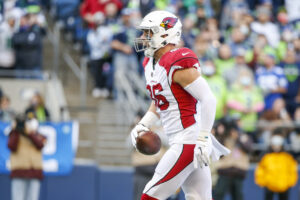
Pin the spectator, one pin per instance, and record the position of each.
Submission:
(232, 13)
(213, 32)
(277, 170)
(285, 43)
(291, 70)
(188, 31)
(245, 24)
(294, 137)
(271, 79)
(292, 8)
(27, 43)
(283, 21)
(232, 75)
(232, 169)
(90, 7)
(6, 113)
(37, 108)
(297, 116)
(260, 47)
(271, 119)
(111, 14)
(202, 48)
(99, 40)
(265, 27)
(296, 44)
(124, 56)
(217, 85)
(145, 7)
(225, 61)
(164, 5)
(8, 5)
(7, 54)
(203, 12)
(244, 102)
(25, 144)
(37, 18)
(237, 41)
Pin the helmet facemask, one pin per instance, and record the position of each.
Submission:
(143, 43)
(146, 43)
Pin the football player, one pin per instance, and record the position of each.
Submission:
(184, 103)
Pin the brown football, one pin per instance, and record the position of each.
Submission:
(148, 143)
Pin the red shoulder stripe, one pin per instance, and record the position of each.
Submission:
(145, 61)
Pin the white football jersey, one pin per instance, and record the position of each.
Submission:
(176, 107)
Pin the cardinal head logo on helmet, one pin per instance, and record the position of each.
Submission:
(168, 22)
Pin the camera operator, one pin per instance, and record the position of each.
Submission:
(26, 146)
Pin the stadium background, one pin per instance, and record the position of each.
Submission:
(102, 105)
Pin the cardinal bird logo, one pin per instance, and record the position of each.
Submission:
(168, 22)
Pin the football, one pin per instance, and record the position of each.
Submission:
(148, 143)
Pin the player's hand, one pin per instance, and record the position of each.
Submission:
(135, 132)
(201, 151)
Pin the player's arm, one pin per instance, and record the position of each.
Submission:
(191, 80)
(152, 108)
(151, 116)
(149, 119)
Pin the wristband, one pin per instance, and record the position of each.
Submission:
(149, 119)
(203, 135)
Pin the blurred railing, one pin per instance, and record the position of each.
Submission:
(79, 70)
(20, 85)
(30, 74)
(131, 93)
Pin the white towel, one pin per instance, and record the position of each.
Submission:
(218, 149)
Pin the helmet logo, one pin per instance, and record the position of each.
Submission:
(168, 22)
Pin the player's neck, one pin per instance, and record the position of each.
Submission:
(160, 52)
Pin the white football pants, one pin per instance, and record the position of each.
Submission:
(176, 170)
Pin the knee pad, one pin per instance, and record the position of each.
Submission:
(147, 197)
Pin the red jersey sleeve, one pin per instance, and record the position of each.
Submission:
(182, 59)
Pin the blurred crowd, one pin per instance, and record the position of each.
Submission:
(35, 109)
(22, 28)
(249, 51)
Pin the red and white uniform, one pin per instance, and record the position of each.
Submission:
(176, 107)
(179, 114)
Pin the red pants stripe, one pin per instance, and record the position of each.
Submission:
(147, 197)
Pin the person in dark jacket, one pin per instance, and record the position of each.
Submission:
(27, 43)
(26, 146)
